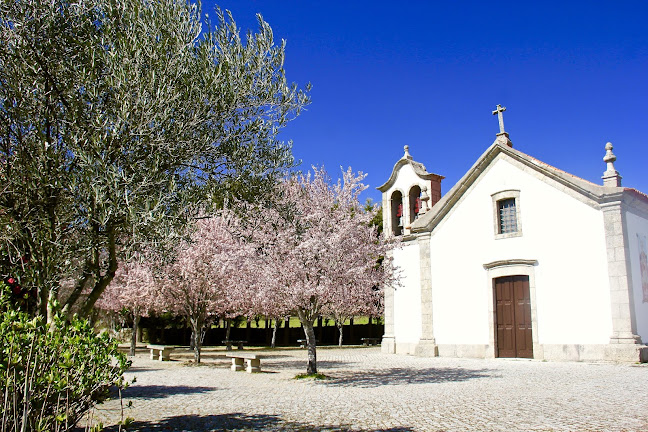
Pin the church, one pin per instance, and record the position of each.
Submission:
(519, 259)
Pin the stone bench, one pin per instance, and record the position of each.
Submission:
(228, 344)
(160, 352)
(370, 341)
(252, 362)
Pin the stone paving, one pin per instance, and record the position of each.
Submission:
(371, 391)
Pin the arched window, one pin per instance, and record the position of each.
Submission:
(414, 203)
(397, 213)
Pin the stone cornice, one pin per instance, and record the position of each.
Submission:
(510, 262)
(408, 238)
(418, 168)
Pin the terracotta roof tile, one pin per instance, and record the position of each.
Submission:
(539, 162)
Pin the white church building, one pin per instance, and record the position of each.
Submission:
(518, 259)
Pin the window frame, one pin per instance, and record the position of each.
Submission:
(496, 199)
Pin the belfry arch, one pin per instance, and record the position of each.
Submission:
(414, 203)
(410, 192)
(397, 213)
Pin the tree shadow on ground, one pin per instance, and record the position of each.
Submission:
(140, 369)
(240, 422)
(397, 376)
(301, 364)
(160, 391)
(271, 355)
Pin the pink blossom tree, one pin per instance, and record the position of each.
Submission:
(133, 290)
(207, 274)
(320, 251)
(351, 302)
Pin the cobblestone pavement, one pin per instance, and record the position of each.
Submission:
(371, 391)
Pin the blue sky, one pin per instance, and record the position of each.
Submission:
(572, 75)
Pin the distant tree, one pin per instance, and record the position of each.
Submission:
(120, 118)
(133, 291)
(208, 276)
(352, 302)
(377, 220)
(320, 250)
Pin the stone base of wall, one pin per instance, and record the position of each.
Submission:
(612, 352)
(474, 351)
(426, 349)
(406, 348)
(631, 353)
(388, 345)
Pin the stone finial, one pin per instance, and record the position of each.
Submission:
(407, 154)
(611, 176)
(502, 136)
(425, 198)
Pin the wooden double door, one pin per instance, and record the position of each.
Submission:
(513, 317)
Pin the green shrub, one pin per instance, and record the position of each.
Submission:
(52, 375)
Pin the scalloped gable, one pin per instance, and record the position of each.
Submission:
(595, 194)
(419, 170)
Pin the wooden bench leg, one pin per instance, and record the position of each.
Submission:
(237, 364)
(228, 347)
(253, 365)
(153, 356)
(165, 355)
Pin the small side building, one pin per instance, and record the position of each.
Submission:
(518, 259)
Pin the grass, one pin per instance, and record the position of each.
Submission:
(294, 322)
(317, 376)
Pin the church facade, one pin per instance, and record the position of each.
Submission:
(518, 259)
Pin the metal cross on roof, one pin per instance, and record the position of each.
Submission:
(500, 109)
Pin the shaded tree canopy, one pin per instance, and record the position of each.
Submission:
(119, 120)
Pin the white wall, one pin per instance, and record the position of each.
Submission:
(407, 297)
(565, 236)
(405, 180)
(637, 234)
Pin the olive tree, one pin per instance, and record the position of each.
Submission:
(119, 121)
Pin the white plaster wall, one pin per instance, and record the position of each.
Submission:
(638, 228)
(565, 236)
(404, 181)
(407, 297)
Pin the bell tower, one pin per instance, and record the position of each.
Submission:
(409, 193)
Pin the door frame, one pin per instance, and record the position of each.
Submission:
(512, 267)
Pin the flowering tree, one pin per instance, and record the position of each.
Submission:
(134, 290)
(320, 250)
(350, 302)
(119, 119)
(207, 275)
